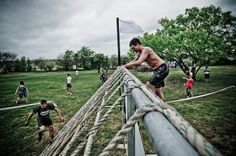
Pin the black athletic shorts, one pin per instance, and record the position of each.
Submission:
(207, 76)
(159, 74)
(44, 122)
(69, 85)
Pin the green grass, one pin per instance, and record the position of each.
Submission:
(213, 116)
(16, 139)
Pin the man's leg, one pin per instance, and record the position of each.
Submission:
(17, 100)
(40, 133)
(26, 99)
(159, 93)
(150, 86)
(51, 131)
(68, 90)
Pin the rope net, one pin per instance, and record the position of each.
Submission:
(76, 137)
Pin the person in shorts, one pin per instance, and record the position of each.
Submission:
(157, 65)
(207, 74)
(44, 120)
(69, 84)
(22, 92)
(188, 85)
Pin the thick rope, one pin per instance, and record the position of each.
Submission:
(194, 137)
(76, 134)
(139, 113)
(21, 106)
(199, 96)
(203, 147)
(95, 128)
(67, 131)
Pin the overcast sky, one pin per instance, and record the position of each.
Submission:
(47, 28)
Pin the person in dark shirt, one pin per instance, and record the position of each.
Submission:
(44, 118)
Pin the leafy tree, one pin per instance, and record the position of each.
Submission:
(124, 59)
(49, 65)
(23, 63)
(6, 61)
(131, 55)
(198, 36)
(29, 64)
(99, 61)
(39, 63)
(17, 65)
(86, 57)
(114, 61)
(77, 60)
(66, 60)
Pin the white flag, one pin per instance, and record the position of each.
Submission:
(129, 27)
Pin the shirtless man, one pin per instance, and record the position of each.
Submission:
(159, 67)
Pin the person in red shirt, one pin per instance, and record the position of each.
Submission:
(188, 85)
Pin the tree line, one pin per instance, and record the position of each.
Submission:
(85, 58)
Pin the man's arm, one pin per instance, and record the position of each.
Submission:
(59, 114)
(139, 61)
(17, 89)
(27, 91)
(29, 117)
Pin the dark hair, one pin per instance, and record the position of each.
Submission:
(68, 74)
(22, 82)
(43, 101)
(134, 42)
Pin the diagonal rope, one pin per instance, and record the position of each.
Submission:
(66, 132)
(185, 129)
(95, 128)
(139, 113)
(76, 134)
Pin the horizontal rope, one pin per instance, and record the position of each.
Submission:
(199, 96)
(21, 106)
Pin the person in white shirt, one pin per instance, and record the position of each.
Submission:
(207, 74)
(77, 74)
(68, 84)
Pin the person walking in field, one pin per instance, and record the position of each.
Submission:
(103, 76)
(44, 118)
(22, 92)
(188, 85)
(69, 84)
(158, 66)
(77, 74)
(207, 74)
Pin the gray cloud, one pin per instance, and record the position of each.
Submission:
(43, 28)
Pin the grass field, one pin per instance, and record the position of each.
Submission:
(212, 116)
